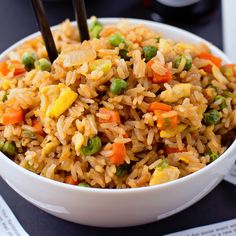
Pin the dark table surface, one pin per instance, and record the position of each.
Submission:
(17, 21)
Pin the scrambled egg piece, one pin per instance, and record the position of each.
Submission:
(101, 65)
(164, 46)
(181, 47)
(184, 159)
(56, 99)
(50, 146)
(167, 174)
(169, 133)
(178, 91)
(5, 84)
(78, 140)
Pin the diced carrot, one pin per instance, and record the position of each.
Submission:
(114, 116)
(4, 69)
(125, 135)
(157, 78)
(38, 127)
(166, 122)
(158, 106)
(13, 116)
(170, 150)
(18, 67)
(119, 153)
(69, 180)
(215, 60)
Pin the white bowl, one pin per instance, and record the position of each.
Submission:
(119, 207)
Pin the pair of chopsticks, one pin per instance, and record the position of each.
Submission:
(81, 18)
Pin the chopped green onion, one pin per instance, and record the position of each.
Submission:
(162, 165)
(229, 94)
(123, 169)
(93, 146)
(1, 143)
(95, 28)
(29, 134)
(83, 184)
(4, 97)
(213, 156)
(96, 31)
(123, 54)
(158, 39)
(222, 104)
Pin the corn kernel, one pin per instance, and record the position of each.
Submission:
(178, 91)
(56, 99)
(78, 140)
(167, 174)
(101, 65)
(169, 133)
(50, 147)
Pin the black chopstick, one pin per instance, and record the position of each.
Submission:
(45, 29)
(81, 18)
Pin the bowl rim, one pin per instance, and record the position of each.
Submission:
(113, 20)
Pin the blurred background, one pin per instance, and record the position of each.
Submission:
(197, 16)
(201, 17)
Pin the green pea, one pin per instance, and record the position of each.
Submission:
(123, 169)
(43, 64)
(29, 134)
(149, 52)
(123, 54)
(188, 63)
(4, 97)
(83, 184)
(28, 59)
(9, 148)
(118, 86)
(211, 117)
(213, 156)
(93, 146)
(222, 104)
(116, 39)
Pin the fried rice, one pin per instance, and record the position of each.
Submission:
(76, 125)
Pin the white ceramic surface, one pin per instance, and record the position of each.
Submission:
(123, 207)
